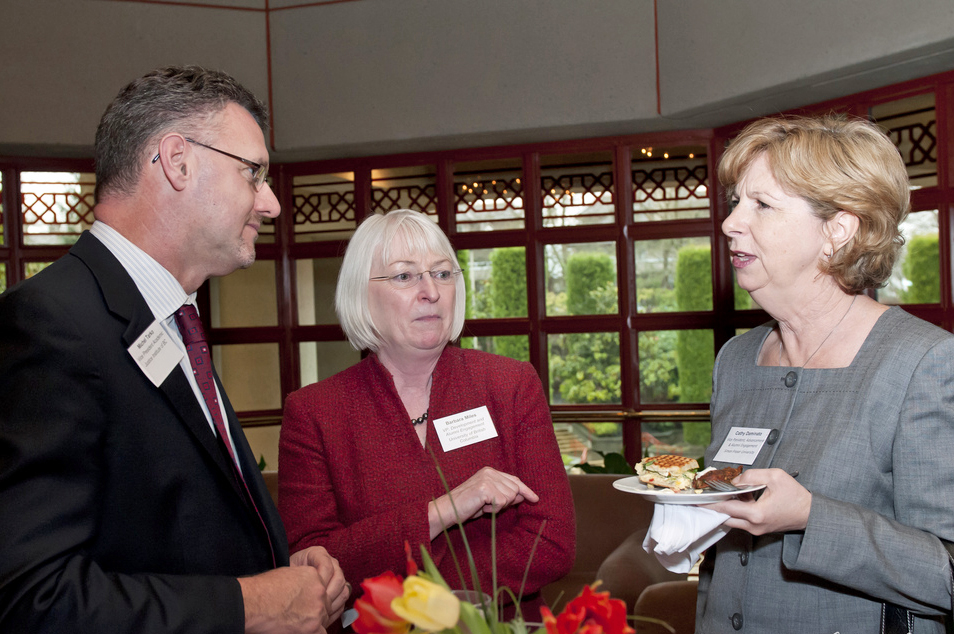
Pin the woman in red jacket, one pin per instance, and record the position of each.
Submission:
(360, 451)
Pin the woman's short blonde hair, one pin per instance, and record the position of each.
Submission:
(375, 238)
(835, 163)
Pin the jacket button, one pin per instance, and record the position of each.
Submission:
(737, 621)
(791, 379)
(744, 557)
(772, 437)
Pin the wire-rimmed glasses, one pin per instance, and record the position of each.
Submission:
(259, 171)
(406, 279)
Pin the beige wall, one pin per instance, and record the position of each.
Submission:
(376, 76)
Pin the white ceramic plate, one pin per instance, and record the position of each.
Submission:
(661, 495)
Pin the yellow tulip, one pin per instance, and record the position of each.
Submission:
(426, 605)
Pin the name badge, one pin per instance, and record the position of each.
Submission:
(465, 428)
(155, 353)
(742, 445)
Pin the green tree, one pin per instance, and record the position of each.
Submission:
(508, 296)
(694, 348)
(584, 272)
(657, 365)
(922, 268)
(584, 367)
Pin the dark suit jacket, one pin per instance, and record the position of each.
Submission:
(119, 511)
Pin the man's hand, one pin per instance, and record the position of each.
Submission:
(285, 601)
(337, 589)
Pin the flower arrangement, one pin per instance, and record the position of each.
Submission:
(423, 602)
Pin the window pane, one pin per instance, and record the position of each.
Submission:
(250, 374)
(584, 368)
(266, 231)
(488, 195)
(323, 206)
(580, 442)
(316, 281)
(56, 206)
(404, 188)
(743, 301)
(573, 447)
(263, 440)
(911, 124)
(916, 277)
(682, 438)
(581, 279)
(513, 346)
(673, 275)
(3, 276)
(675, 366)
(3, 237)
(32, 268)
(577, 189)
(670, 183)
(321, 359)
(496, 282)
(244, 298)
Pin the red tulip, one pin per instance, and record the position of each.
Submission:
(375, 615)
(411, 564)
(589, 613)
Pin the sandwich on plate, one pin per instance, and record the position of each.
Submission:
(669, 471)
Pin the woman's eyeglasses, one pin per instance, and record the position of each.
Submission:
(409, 280)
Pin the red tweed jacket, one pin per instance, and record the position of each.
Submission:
(354, 478)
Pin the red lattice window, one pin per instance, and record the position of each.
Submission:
(56, 206)
(670, 183)
(323, 206)
(3, 236)
(577, 189)
(911, 124)
(404, 188)
(488, 195)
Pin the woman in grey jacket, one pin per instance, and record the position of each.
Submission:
(854, 395)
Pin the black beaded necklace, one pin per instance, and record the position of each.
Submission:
(419, 421)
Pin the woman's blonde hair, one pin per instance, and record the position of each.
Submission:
(375, 238)
(834, 163)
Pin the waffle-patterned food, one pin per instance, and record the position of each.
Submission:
(669, 471)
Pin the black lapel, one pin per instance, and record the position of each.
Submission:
(255, 482)
(124, 300)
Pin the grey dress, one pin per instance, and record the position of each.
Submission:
(874, 443)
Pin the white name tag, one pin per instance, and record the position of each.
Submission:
(742, 445)
(155, 353)
(465, 428)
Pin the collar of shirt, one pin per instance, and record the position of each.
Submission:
(161, 290)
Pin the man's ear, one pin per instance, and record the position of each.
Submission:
(175, 159)
(842, 228)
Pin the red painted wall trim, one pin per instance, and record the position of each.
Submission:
(656, 44)
(268, 73)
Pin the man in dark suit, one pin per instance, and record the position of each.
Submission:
(129, 498)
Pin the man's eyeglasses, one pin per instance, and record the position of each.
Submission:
(409, 280)
(259, 171)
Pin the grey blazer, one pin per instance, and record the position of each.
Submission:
(874, 443)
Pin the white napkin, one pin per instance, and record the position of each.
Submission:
(679, 533)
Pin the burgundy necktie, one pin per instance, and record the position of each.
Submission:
(193, 336)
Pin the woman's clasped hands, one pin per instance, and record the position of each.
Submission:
(783, 505)
(486, 491)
